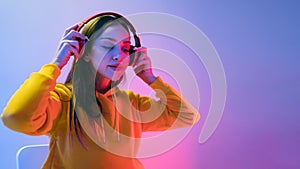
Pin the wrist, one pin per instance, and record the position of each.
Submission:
(147, 76)
(150, 80)
(57, 63)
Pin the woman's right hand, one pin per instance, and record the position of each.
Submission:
(70, 44)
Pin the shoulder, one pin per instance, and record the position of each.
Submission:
(130, 93)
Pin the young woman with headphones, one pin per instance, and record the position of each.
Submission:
(91, 122)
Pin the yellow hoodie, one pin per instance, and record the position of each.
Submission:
(42, 107)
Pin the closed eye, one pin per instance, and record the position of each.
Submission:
(126, 49)
(107, 47)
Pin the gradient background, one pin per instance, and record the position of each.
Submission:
(257, 41)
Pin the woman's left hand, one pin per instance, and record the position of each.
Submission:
(142, 66)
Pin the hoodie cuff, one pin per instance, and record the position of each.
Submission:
(159, 84)
(50, 70)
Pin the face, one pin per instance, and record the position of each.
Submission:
(110, 52)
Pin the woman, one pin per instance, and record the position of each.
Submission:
(92, 123)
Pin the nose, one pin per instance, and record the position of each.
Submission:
(117, 57)
(117, 54)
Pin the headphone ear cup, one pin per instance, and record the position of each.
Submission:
(132, 55)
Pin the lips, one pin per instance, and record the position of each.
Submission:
(115, 67)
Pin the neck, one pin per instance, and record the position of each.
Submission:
(102, 84)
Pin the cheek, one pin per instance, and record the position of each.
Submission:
(98, 56)
(96, 62)
(126, 59)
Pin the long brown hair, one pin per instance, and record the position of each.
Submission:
(82, 76)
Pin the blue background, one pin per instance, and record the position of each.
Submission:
(258, 43)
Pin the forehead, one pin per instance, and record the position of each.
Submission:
(114, 32)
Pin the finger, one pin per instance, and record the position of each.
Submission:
(73, 43)
(141, 52)
(71, 48)
(73, 27)
(145, 64)
(76, 49)
(143, 59)
(73, 51)
(73, 35)
(138, 69)
(140, 49)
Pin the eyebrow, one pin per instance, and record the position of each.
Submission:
(114, 40)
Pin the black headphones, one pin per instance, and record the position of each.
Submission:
(123, 19)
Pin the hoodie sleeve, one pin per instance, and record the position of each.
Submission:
(35, 105)
(170, 111)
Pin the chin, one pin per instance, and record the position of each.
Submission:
(115, 77)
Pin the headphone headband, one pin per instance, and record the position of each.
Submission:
(117, 16)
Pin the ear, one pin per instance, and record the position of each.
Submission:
(86, 50)
(87, 57)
